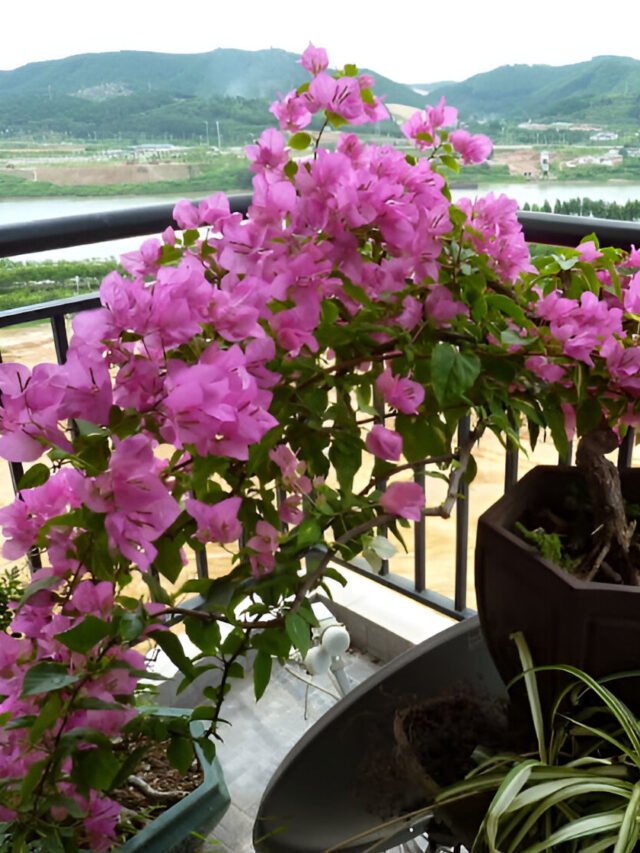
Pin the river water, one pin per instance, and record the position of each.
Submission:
(28, 210)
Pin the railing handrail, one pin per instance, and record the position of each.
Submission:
(561, 230)
(79, 230)
(65, 231)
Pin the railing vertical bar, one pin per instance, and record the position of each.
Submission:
(566, 458)
(511, 468)
(511, 459)
(420, 542)
(60, 339)
(378, 404)
(625, 452)
(462, 527)
(202, 564)
(17, 471)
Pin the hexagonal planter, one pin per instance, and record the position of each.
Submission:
(594, 626)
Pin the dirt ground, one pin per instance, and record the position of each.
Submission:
(521, 161)
(113, 173)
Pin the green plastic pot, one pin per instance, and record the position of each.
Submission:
(183, 827)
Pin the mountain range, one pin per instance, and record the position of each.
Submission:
(143, 94)
(606, 88)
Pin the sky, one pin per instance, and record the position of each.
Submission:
(413, 41)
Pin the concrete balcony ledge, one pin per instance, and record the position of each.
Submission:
(382, 623)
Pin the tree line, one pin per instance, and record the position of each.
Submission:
(628, 210)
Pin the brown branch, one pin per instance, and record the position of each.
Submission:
(312, 579)
(445, 509)
(408, 466)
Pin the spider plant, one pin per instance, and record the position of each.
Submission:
(576, 791)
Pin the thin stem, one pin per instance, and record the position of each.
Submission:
(408, 466)
(464, 455)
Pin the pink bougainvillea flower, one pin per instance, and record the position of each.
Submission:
(440, 307)
(264, 543)
(569, 420)
(186, 214)
(216, 522)
(22, 519)
(269, 153)
(314, 59)
(214, 209)
(146, 260)
(404, 499)
(292, 113)
(588, 252)
(422, 127)
(545, 369)
(384, 443)
(631, 295)
(290, 511)
(101, 820)
(403, 394)
(30, 411)
(473, 148)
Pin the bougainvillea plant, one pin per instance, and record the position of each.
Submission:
(229, 391)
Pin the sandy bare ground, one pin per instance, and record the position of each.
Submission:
(31, 345)
(113, 173)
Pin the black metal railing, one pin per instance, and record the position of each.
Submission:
(65, 232)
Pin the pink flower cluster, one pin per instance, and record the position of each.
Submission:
(347, 97)
(494, 231)
(95, 693)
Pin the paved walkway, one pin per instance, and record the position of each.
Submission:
(262, 734)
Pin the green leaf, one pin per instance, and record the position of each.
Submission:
(452, 373)
(580, 828)
(204, 635)
(506, 305)
(422, 437)
(308, 533)
(47, 716)
(291, 169)
(261, 673)
(95, 768)
(588, 415)
(47, 676)
(628, 834)
(555, 420)
(273, 643)
(336, 121)
(513, 783)
(168, 560)
(450, 162)
(172, 647)
(367, 97)
(37, 475)
(383, 547)
(129, 624)
(235, 670)
(509, 338)
(346, 456)
(85, 635)
(531, 683)
(300, 141)
(298, 632)
(350, 70)
(180, 753)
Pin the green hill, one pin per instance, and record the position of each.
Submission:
(141, 95)
(604, 89)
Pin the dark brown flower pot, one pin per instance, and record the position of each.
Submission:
(594, 626)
